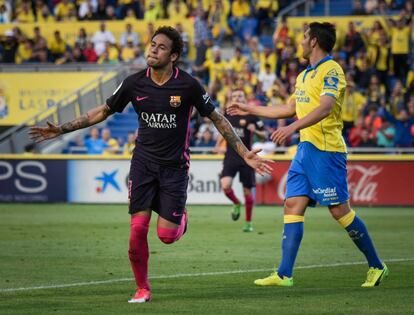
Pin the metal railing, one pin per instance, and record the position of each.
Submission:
(94, 93)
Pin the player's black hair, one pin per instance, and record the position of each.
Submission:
(174, 35)
(324, 33)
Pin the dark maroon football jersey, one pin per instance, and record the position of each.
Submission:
(163, 113)
(240, 124)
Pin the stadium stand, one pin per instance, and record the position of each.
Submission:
(251, 44)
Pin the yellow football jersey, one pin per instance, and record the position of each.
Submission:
(325, 78)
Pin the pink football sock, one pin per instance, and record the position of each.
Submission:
(138, 250)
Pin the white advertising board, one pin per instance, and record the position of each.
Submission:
(106, 182)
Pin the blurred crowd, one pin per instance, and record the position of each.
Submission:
(237, 44)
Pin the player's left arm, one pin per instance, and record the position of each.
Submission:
(327, 103)
(227, 131)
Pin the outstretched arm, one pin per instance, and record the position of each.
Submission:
(92, 117)
(319, 113)
(280, 111)
(250, 157)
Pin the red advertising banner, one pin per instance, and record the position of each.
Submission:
(376, 183)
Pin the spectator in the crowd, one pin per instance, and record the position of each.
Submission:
(63, 10)
(206, 139)
(382, 59)
(357, 8)
(354, 136)
(129, 146)
(367, 139)
(396, 101)
(216, 66)
(265, 11)
(217, 20)
(352, 106)
(177, 10)
(87, 9)
(94, 144)
(238, 61)
(266, 78)
(353, 41)
(77, 55)
(400, 45)
(153, 12)
(386, 135)
(57, 46)
(129, 35)
(81, 39)
(75, 146)
(90, 53)
(186, 41)
(130, 8)
(110, 13)
(5, 13)
(43, 14)
(268, 56)
(100, 12)
(202, 36)
(101, 37)
(371, 6)
(39, 53)
(112, 145)
(373, 121)
(66, 58)
(25, 13)
(207, 125)
(363, 73)
(24, 52)
(146, 38)
(9, 45)
(403, 126)
(128, 51)
(240, 11)
(139, 62)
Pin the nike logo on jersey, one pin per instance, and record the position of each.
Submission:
(175, 214)
(141, 98)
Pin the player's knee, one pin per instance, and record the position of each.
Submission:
(289, 206)
(167, 236)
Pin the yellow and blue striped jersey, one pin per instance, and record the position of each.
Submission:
(325, 78)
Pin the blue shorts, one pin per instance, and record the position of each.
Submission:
(319, 175)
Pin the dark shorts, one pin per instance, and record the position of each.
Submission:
(160, 188)
(246, 173)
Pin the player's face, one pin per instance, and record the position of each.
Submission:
(159, 54)
(238, 96)
(306, 45)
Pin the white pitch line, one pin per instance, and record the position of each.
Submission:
(183, 275)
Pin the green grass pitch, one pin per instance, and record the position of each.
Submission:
(72, 259)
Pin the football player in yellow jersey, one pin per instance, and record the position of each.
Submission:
(318, 172)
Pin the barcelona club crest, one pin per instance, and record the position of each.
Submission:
(175, 101)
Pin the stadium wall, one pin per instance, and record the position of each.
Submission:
(373, 180)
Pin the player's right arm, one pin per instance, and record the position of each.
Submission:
(280, 111)
(92, 117)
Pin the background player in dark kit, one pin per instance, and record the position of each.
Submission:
(246, 127)
(162, 96)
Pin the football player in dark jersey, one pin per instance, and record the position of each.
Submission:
(163, 97)
(246, 128)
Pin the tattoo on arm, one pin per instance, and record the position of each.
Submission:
(78, 123)
(227, 131)
(90, 118)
